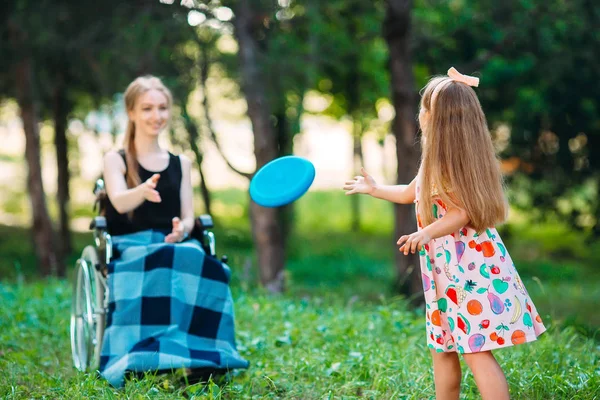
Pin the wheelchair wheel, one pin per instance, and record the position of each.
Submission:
(88, 313)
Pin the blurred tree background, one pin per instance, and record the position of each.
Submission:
(258, 79)
(286, 61)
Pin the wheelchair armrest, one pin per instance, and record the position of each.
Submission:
(201, 232)
(98, 223)
(204, 222)
(201, 225)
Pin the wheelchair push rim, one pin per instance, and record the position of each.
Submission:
(87, 312)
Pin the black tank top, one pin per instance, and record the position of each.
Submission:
(149, 215)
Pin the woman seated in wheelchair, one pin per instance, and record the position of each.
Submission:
(169, 306)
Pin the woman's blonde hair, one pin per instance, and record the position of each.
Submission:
(459, 160)
(135, 89)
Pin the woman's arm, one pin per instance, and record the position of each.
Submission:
(123, 199)
(186, 194)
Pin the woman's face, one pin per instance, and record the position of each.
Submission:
(150, 113)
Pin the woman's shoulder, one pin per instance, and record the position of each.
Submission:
(185, 161)
(114, 159)
(115, 153)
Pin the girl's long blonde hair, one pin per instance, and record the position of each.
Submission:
(459, 160)
(135, 89)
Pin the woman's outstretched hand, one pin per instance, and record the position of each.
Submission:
(178, 232)
(149, 189)
(361, 184)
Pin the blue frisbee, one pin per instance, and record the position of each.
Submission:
(282, 181)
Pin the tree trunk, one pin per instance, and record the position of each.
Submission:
(61, 111)
(266, 226)
(353, 89)
(594, 164)
(397, 32)
(357, 163)
(41, 227)
(284, 147)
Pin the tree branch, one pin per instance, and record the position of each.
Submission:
(204, 66)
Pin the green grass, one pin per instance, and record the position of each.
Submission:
(339, 331)
(300, 348)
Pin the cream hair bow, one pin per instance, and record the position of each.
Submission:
(466, 79)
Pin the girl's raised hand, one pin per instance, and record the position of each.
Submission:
(361, 184)
(149, 189)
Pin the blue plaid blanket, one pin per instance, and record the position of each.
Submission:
(170, 307)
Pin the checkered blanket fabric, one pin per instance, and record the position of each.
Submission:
(170, 307)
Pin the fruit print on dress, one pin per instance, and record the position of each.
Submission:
(475, 299)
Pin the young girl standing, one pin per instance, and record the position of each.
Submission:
(475, 299)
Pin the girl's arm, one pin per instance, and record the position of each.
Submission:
(452, 221)
(402, 194)
(123, 199)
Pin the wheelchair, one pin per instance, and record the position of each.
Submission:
(90, 291)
